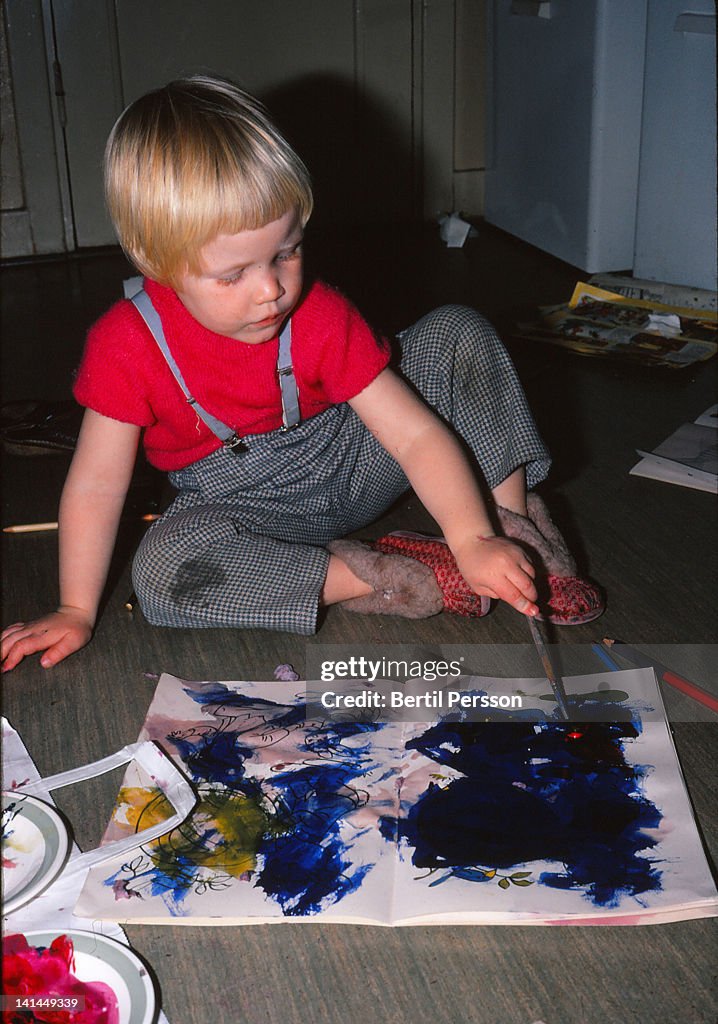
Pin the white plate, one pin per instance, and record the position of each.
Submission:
(98, 958)
(34, 847)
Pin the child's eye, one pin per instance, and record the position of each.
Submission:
(292, 254)
(231, 279)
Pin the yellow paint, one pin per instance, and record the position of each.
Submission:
(140, 808)
(223, 833)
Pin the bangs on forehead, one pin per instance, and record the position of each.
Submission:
(230, 212)
(234, 181)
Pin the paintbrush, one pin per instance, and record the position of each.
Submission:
(552, 675)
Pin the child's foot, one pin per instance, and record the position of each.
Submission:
(412, 576)
(401, 586)
(565, 598)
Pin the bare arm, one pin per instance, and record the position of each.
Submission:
(90, 508)
(443, 480)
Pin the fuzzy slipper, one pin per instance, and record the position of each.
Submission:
(565, 598)
(434, 552)
(402, 586)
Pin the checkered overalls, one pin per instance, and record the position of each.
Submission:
(243, 543)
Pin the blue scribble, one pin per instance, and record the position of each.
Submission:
(308, 867)
(304, 863)
(549, 791)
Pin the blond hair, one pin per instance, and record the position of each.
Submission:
(192, 160)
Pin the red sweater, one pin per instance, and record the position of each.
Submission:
(123, 374)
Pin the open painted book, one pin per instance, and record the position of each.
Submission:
(301, 816)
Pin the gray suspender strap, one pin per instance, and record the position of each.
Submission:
(287, 383)
(151, 317)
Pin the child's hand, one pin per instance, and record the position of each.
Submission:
(498, 568)
(58, 634)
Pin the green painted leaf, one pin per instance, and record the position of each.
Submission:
(521, 874)
(521, 881)
(504, 883)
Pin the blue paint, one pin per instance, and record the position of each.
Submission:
(172, 881)
(279, 715)
(531, 788)
(304, 864)
(556, 792)
(215, 757)
(307, 867)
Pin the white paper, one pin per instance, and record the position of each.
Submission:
(709, 418)
(689, 457)
(454, 230)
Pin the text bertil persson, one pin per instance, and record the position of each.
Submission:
(433, 699)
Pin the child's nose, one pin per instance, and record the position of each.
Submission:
(269, 287)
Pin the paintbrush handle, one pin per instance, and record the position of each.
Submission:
(552, 676)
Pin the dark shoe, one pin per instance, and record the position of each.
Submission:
(40, 428)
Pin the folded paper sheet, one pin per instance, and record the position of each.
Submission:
(524, 819)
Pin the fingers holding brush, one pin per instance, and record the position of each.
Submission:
(498, 568)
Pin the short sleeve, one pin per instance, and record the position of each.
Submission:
(347, 354)
(112, 375)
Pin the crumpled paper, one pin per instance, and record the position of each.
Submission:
(454, 230)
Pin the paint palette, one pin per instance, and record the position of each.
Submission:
(100, 959)
(35, 844)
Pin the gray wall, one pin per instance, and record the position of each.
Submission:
(364, 88)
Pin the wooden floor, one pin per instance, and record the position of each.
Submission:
(651, 546)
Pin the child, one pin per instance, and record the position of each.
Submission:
(275, 459)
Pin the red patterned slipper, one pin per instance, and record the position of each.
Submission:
(564, 598)
(571, 601)
(400, 586)
(434, 552)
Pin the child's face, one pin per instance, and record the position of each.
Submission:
(249, 282)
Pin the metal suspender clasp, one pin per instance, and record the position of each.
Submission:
(291, 416)
(235, 444)
(290, 407)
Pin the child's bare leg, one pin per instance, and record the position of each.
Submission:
(511, 492)
(341, 584)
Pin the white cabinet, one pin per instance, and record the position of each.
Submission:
(676, 217)
(602, 146)
(567, 90)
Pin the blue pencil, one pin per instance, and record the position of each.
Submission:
(605, 657)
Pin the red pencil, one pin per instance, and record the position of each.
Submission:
(641, 660)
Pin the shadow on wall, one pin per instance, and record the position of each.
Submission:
(359, 153)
